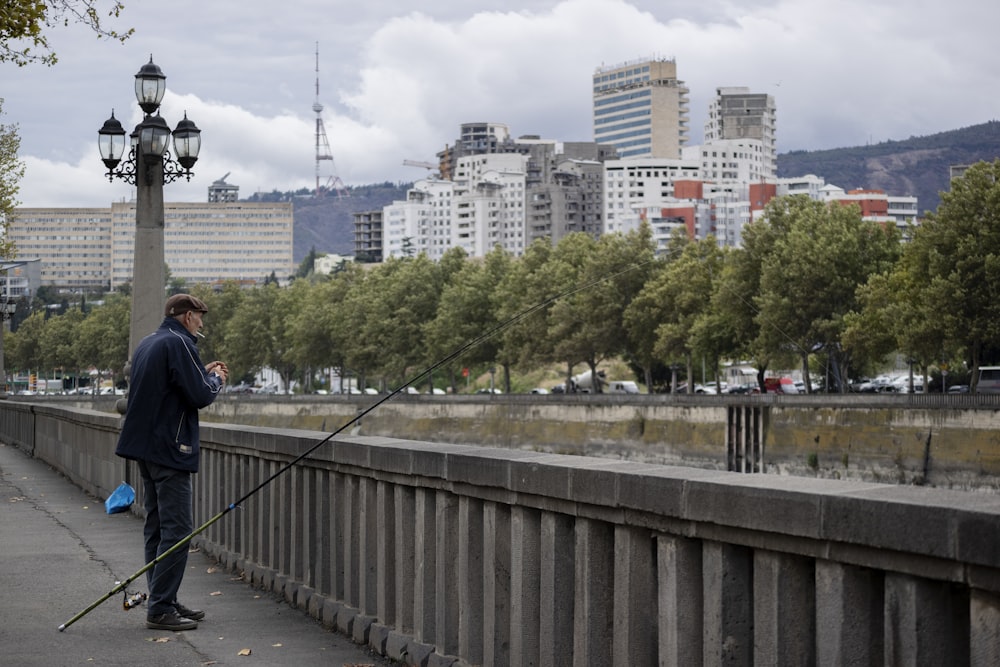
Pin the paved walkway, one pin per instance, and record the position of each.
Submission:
(60, 551)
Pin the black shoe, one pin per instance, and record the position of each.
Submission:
(170, 621)
(191, 614)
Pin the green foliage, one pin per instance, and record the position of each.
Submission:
(24, 23)
(11, 172)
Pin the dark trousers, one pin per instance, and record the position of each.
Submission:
(168, 521)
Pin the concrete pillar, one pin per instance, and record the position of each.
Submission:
(926, 622)
(984, 631)
(338, 535)
(405, 558)
(322, 540)
(635, 597)
(241, 522)
(367, 564)
(525, 526)
(470, 580)
(386, 560)
(424, 564)
(257, 506)
(296, 515)
(593, 603)
(446, 573)
(352, 538)
(496, 584)
(556, 590)
(680, 601)
(148, 296)
(784, 610)
(728, 595)
(270, 526)
(849, 616)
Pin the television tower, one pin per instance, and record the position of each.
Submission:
(323, 152)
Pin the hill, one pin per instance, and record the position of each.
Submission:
(327, 223)
(915, 166)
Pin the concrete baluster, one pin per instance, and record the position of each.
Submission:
(680, 600)
(784, 622)
(635, 597)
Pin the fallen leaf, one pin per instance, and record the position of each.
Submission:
(244, 651)
(211, 570)
(216, 593)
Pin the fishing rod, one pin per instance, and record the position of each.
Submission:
(135, 600)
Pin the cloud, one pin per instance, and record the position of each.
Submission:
(397, 83)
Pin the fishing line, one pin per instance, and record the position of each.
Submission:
(122, 585)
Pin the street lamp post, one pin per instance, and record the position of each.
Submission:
(7, 308)
(148, 166)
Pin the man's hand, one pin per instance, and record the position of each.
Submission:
(220, 369)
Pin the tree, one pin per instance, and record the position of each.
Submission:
(589, 322)
(684, 290)
(523, 300)
(952, 266)
(25, 350)
(809, 280)
(23, 24)
(308, 264)
(102, 338)
(465, 312)
(58, 343)
(11, 172)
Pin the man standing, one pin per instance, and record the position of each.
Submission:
(168, 385)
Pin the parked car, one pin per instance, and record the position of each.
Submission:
(744, 388)
(539, 390)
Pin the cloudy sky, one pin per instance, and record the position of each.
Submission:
(396, 82)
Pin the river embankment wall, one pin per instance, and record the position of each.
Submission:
(942, 441)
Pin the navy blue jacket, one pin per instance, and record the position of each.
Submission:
(168, 385)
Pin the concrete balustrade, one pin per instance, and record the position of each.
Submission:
(440, 555)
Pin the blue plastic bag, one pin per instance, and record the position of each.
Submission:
(120, 499)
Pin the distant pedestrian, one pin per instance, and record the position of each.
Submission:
(168, 384)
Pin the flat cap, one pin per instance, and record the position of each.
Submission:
(179, 304)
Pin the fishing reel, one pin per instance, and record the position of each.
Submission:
(133, 600)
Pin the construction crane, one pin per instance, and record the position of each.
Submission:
(417, 163)
(323, 152)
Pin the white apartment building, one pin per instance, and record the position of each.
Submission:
(490, 203)
(809, 185)
(92, 249)
(635, 184)
(641, 108)
(421, 223)
(730, 160)
(736, 113)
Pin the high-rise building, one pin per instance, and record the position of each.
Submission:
(368, 235)
(736, 113)
(92, 248)
(73, 244)
(641, 108)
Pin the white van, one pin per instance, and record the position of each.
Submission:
(989, 380)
